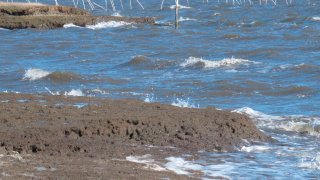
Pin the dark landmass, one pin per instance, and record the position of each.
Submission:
(34, 15)
(53, 132)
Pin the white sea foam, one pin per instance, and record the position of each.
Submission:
(180, 7)
(181, 19)
(35, 74)
(109, 24)
(147, 161)
(255, 148)
(313, 163)
(183, 103)
(149, 98)
(180, 166)
(183, 167)
(316, 18)
(74, 92)
(100, 91)
(310, 126)
(4, 29)
(208, 64)
(293, 123)
(70, 25)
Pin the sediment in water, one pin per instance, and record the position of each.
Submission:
(25, 15)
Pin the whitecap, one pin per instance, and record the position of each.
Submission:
(180, 7)
(254, 148)
(109, 24)
(309, 125)
(316, 18)
(4, 29)
(183, 103)
(35, 74)
(149, 98)
(293, 123)
(313, 163)
(74, 92)
(208, 64)
(181, 19)
(70, 25)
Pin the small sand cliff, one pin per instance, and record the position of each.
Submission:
(55, 126)
(48, 137)
(36, 15)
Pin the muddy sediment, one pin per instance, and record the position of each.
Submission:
(90, 128)
(24, 15)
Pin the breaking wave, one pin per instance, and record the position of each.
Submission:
(194, 62)
(316, 18)
(101, 25)
(294, 123)
(183, 103)
(311, 163)
(71, 25)
(57, 76)
(180, 7)
(181, 19)
(73, 92)
(35, 74)
(109, 24)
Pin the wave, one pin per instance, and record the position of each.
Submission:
(183, 103)
(311, 163)
(292, 123)
(303, 67)
(101, 25)
(194, 62)
(57, 76)
(73, 92)
(180, 7)
(181, 19)
(35, 74)
(315, 18)
(71, 25)
(109, 24)
(146, 63)
(181, 166)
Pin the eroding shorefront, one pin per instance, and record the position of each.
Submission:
(35, 15)
(47, 128)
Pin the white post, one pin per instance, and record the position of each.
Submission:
(177, 14)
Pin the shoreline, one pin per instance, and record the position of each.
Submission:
(41, 16)
(67, 132)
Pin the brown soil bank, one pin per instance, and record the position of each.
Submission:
(52, 124)
(48, 137)
(25, 15)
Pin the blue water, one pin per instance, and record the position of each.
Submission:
(265, 58)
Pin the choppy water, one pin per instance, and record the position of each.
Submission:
(259, 60)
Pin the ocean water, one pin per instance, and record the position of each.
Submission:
(261, 60)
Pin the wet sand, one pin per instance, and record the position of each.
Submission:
(75, 137)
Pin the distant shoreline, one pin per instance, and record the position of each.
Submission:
(35, 15)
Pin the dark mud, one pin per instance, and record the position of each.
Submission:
(51, 127)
